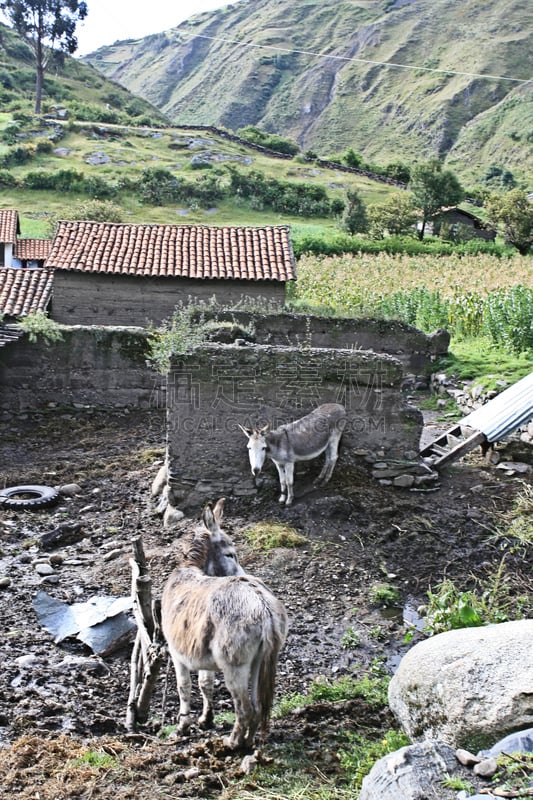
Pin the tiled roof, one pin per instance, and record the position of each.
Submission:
(32, 249)
(185, 251)
(9, 225)
(24, 290)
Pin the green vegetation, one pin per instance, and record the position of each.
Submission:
(371, 688)
(37, 324)
(383, 594)
(344, 107)
(361, 752)
(491, 600)
(268, 535)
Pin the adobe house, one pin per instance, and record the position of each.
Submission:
(122, 274)
(457, 217)
(15, 252)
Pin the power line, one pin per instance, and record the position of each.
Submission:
(390, 64)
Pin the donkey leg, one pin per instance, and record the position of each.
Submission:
(237, 679)
(332, 450)
(183, 677)
(205, 682)
(282, 480)
(289, 480)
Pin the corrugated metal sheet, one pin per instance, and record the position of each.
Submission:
(505, 413)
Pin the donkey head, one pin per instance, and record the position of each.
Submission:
(257, 446)
(221, 554)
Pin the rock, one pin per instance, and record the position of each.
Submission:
(44, 569)
(5, 582)
(404, 481)
(65, 533)
(466, 758)
(520, 742)
(411, 773)
(514, 466)
(486, 768)
(69, 489)
(466, 687)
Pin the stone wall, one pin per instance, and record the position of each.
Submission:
(212, 390)
(90, 366)
(416, 350)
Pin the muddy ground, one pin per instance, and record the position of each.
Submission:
(57, 701)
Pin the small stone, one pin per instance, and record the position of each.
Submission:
(44, 569)
(404, 481)
(466, 758)
(69, 489)
(112, 554)
(190, 774)
(249, 763)
(486, 768)
(5, 582)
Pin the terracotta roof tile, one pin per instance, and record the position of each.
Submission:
(24, 290)
(9, 226)
(185, 251)
(32, 249)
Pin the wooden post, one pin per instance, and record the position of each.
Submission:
(149, 649)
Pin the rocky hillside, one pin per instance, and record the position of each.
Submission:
(259, 62)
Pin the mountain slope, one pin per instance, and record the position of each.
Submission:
(206, 71)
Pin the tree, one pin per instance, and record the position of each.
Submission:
(355, 219)
(514, 211)
(396, 216)
(45, 24)
(433, 188)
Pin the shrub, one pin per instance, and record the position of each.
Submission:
(508, 318)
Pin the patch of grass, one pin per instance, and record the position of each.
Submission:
(95, 758)
(515, 773)
(371, 688)
(457, 783)
(362, 752)
(515, 531)
(480, 360)
(268, 535)
(351, 639)
(383, 594)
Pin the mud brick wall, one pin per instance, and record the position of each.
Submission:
(415, 349)
(104, 367)
(212, 390)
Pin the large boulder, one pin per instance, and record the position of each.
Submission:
(467, 687)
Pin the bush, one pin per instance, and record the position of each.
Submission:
(508, 318)
(7, 179)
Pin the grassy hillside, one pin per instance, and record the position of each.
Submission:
(68, 82)
(206, 72)
(111, 162)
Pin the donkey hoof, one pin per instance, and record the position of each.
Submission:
(206, 721)
(231, 743)
(282, 498)
(184, 724)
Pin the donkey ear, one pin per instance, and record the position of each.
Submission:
(247, 431)
(208, 518)
(264, 430)
(218, 511)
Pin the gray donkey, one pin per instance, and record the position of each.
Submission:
(226, 621)
(302, 440)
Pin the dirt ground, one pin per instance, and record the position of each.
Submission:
(56, 700)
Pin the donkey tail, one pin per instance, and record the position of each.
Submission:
(273, 640)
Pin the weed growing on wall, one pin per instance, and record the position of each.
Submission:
(38, 325)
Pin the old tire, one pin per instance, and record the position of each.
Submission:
(28, 497)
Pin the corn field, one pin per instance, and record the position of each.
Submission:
(468, 295)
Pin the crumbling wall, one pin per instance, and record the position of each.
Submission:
(94, 366)
(216, 387)
(416, 350)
